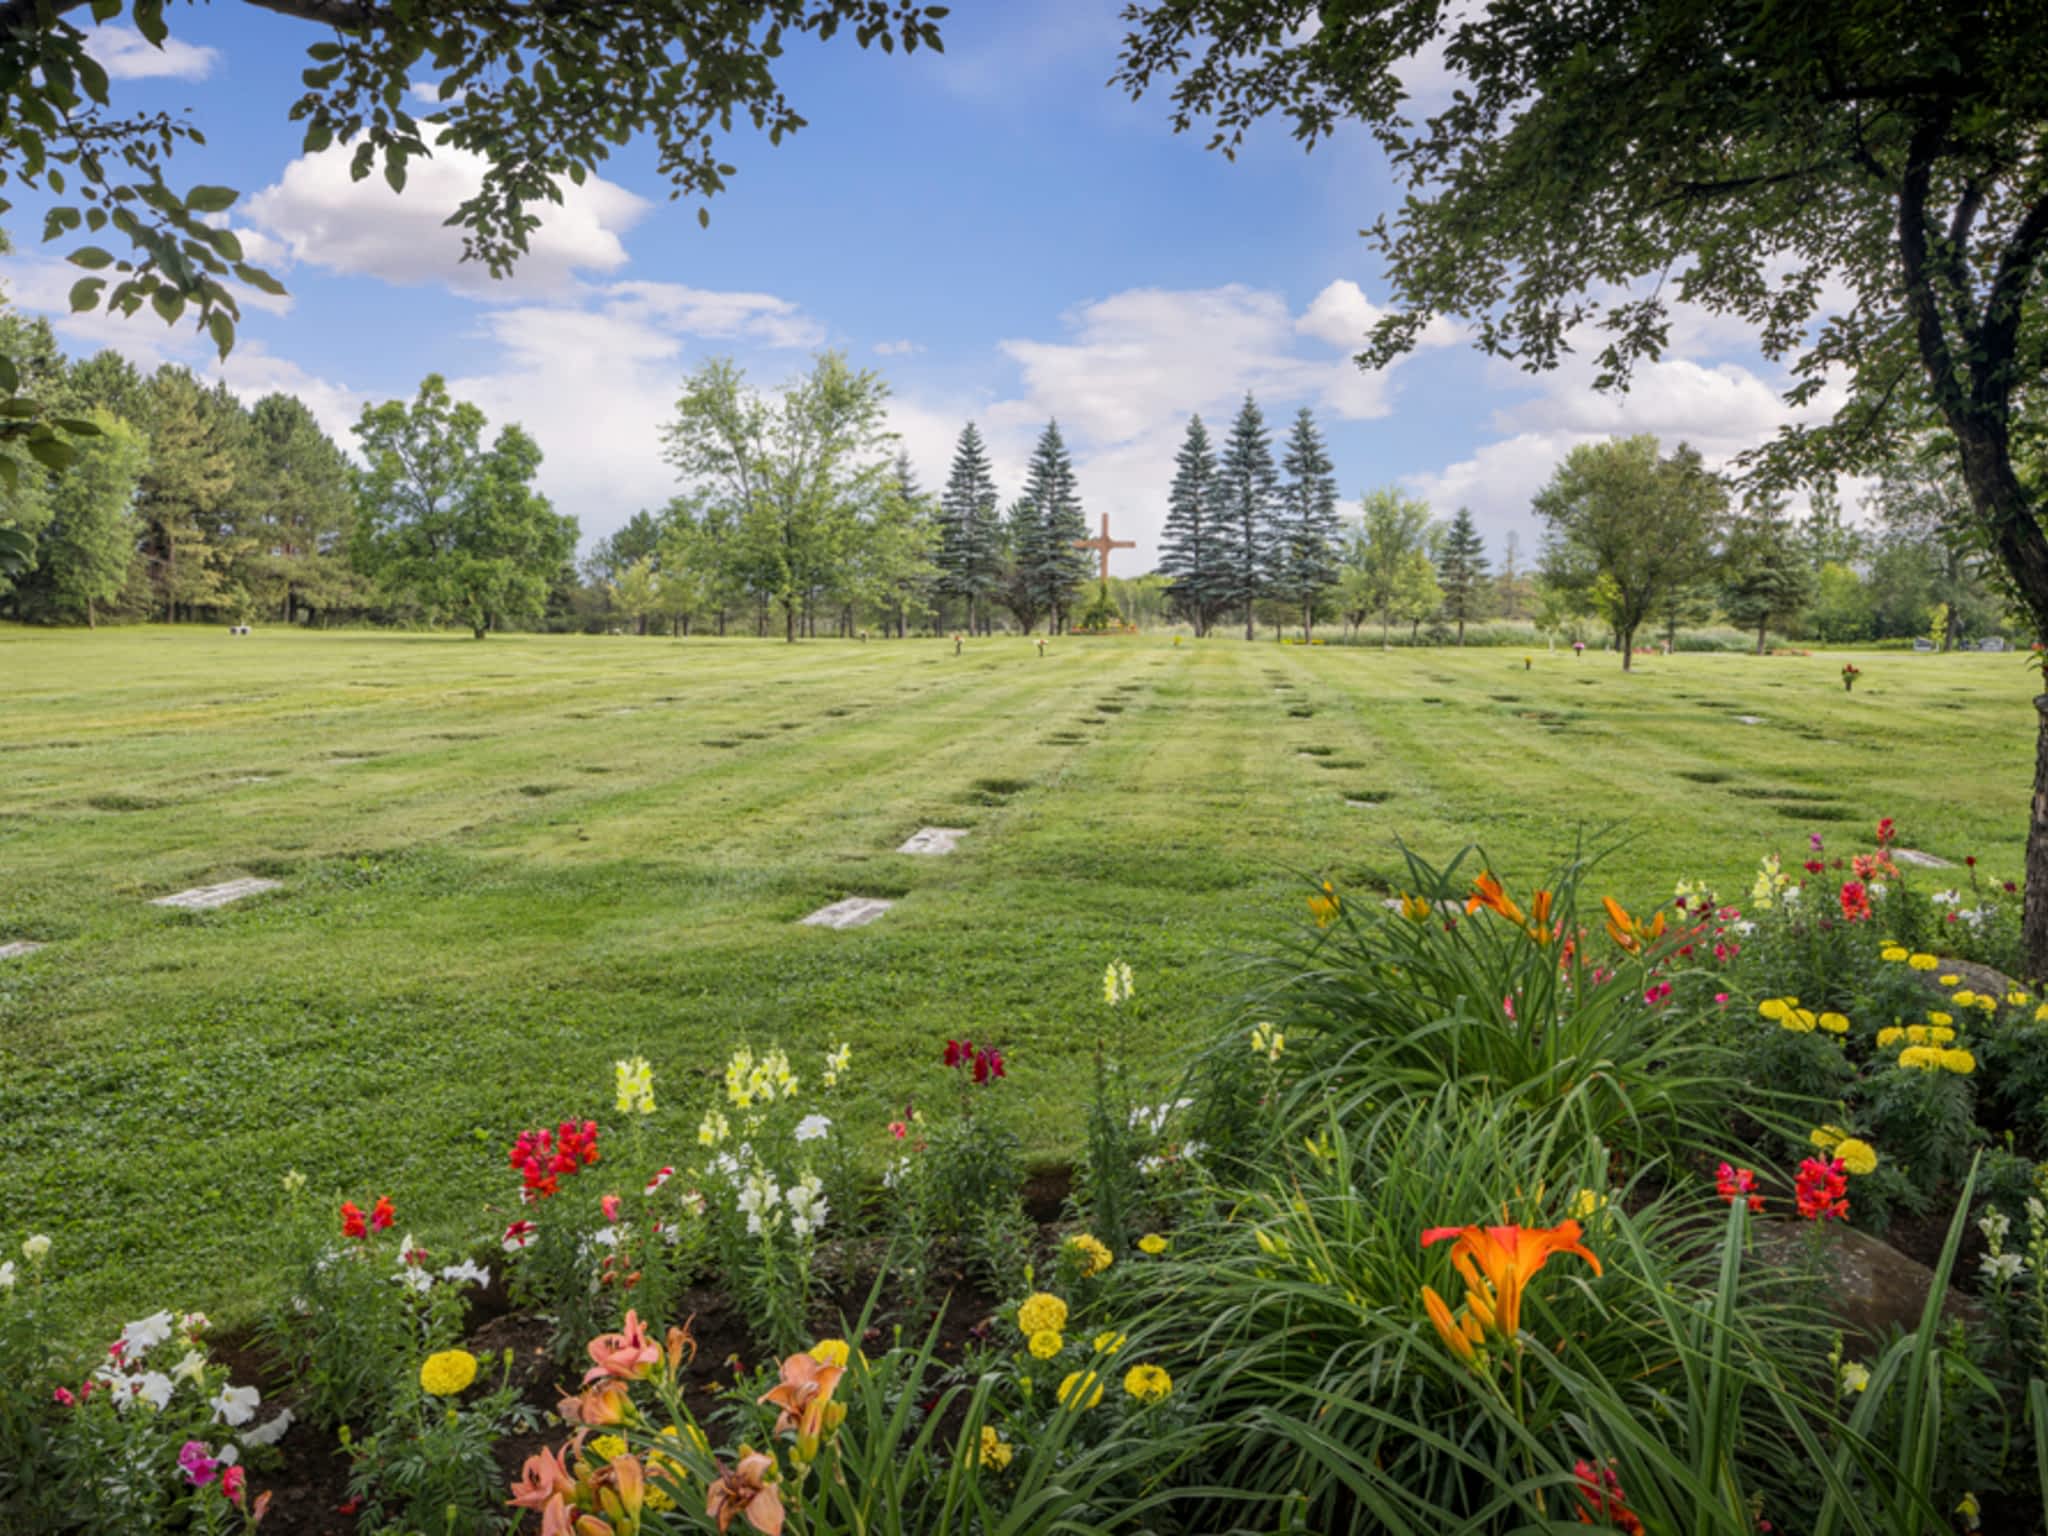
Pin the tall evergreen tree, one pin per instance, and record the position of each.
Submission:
(968, 530)
(1191, 547)
(1304, 551)
(305, 510)
(1766, 576)
(1052, 567)
(189, 478)
(84, 554)
(1023, 545)
(1249, 488)
(1461, 571)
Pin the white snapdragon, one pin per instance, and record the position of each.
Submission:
(807, 1206)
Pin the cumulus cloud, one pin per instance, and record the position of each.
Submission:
(322, 218)
(125, 54)
(900, 348)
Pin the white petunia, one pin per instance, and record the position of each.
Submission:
(144, 1335)
(468, 1270)
(813, 1128)
(236, 1406)
(7, 1276)
(271, 1433)
(191, 1368)
(606, 1237)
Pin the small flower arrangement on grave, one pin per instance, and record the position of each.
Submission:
(1850, 672)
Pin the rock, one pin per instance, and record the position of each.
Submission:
(1873, 1285)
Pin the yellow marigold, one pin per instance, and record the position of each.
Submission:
(1950, 980)
(1147, 1383)
(1826, 1136)
(1923, 1058)
(1938, 1017)
(1774, 1008)
(607, 1447)
(1856, 1156)
(1960, 1062)
(1834, 1023)
(1965, 998)
(1084, 1387)
(1893, 953)
(1094, 1257)
(1917, 1033)
(1046, 1343)
(447, 1373)
(1152, 1243)
(1799, 1020)
(1987, 1002)
(2017, 999)
(1108, 1342)
(1040, 1313)
(2041, 1014)
(995, 1450)
(1889, 1037)
(831, 1352)
(1940, 1035)
(1922, 962)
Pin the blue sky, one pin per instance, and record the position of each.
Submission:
(995, 230)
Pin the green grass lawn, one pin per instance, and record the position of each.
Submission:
(507, 863)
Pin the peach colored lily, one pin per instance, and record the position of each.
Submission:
(599, 1406)
(1506, 1259)
(544, 1477)
(621, 1487)
(628, 1355)
(742, 1490)
(681, 1344)
(803, 1396)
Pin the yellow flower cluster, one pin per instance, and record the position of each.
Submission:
(1325, 905)
(1268, 1042)
(1916, 1034)
(836, 1063)
(1093, 1256)
(634, 1080)
(1800, 1021)
(1927, 1058)
(1046, 1343)
(1148, 1383)
(1893, 953)
(1856, 1156)
(1077, 1387)
(447, 1373)
(1109, 1342)
(713, 1128)
(995, 1450)
(1041, 1312)
(748, 1081)
(1922, 962)
(1152, 1243)
(831, 1352)
(1587, 1204)
(1116, 983)
(1414, 908)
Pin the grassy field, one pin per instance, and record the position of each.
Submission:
(507, 863)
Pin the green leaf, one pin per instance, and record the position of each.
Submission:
(320, 79)
(149, 21)
(10, 376)
(53, 453)
(324, 53)
(260, 280)
(211, 199)
(222, 329)
(318, 137)
(78, 426)
(227, 242)
(85, 293)
(394, 171)
(169, 303)
(105, 10)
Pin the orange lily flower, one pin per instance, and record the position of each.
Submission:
(629, 1355)
(682, 1343)
(804, 1395)
(1539, 926)
(1325, 905)
(600, 1406)
(544, 1477)
(1626, 931)
(1509, 1258)
(621, 1488)
(1462, 1337)
(1486, 892)
(1414, 908)
(740, 1490)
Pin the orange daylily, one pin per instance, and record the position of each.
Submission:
(804, 1396)
(1461, 1335)
(1325, 905)
(682, 1342)
(1487, 892)
(621, 1488)
(1414, 908)
(628, 1355)
(605, 1404)
(544, 1477)
(1497, 1262)
(741, 1490)
(1626, 931)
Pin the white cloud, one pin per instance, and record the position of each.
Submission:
(324, 219)
(705, 312)
(901, 348)
(125, 54)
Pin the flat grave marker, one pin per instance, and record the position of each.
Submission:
(853, 912)
(933, 840)
(204, 898)
(17, 948)
(1923, 860)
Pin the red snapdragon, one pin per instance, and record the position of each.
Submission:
(1733, 1184)
(1821, 1190)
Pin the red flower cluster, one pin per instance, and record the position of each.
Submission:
(1736, 1183)
(1821, 1190)
(1601, 1501)
(1855, 902)
(1885, 832)
(353, 1224)
(986, 1064)
(542, 1157)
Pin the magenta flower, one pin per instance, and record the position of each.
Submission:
(198, 1463)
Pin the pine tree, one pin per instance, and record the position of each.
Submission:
(1249, 489)
(1191, 547)
(1461, 571)
(188, 479)
(968, 531)
(1304, 553)
(1766, 575)
(1051, 567)
(1023, 539)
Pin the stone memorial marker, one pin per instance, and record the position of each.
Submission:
(1923, 644)
(1923, 860)
(853, 912)
(1750, 719)
(933, 840)
(1995, 643)
(17, 948)
(204, 898)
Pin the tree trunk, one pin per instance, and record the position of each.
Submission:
(1250, 629)
(2034, 925)
(1461, 629)
(91, 621)
(1628, 649)
(478, 631)
(1760, 626)
(789, 623)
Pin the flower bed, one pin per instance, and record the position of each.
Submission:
(1456, 1223)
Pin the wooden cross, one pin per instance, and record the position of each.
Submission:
(1104, 545)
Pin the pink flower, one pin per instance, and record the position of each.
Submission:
(231, 1485)
(63, 1395)
(1721, 998)
(660, 1178)
(1814, 838)
(898, 1129)
(609, 1204)
(198, 1463)
(1660, 993)
(517, 1236)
